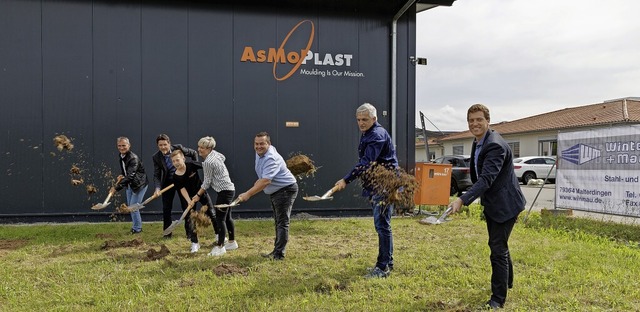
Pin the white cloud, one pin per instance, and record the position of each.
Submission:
(522, 58)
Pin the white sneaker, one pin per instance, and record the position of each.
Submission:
(231, 246)
(215, 241)
(195, 247)
(217, 251)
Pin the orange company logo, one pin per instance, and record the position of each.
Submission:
(294, 57)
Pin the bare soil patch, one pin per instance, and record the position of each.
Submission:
(230, 269)
(187, 282)
(328, 285)
(110, 244)
(12, 244)
(347, 255)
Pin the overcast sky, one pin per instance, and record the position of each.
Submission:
(522, 57)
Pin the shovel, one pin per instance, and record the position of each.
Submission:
(105, 203)
(139, 206)
(433, 220)
(234, 203)
(173, 225)
(326, 195)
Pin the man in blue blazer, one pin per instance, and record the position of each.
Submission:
(495, 182)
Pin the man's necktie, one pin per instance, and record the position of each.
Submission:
(170, 166)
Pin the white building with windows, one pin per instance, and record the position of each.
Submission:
(537, 135)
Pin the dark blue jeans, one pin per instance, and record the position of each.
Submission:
(501, 265)
(282, 203)
(382, 222)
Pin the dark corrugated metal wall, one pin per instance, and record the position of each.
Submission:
(98, 70)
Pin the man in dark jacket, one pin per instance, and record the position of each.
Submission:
(133, 178)
(163, 171)
(495, 182)
(376, 148)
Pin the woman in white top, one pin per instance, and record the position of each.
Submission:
(216, 176)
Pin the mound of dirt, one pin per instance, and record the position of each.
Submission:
(62, 143)
(230, 269)
(301, 165)
(152, 254)
(303, 216)
(110, 244)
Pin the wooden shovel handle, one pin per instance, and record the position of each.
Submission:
(154, 196)
(184, 214)
(165, 189)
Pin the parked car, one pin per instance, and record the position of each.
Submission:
(534, 167)
(460, 175)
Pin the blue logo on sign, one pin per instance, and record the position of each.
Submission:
(580, 154)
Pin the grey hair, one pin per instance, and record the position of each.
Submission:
(207, 142)
(124, 139)
(367, 108)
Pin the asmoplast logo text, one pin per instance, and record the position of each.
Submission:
(294, 57)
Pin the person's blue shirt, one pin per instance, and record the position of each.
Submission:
(477, 153)
(375, 146)
(272, 166)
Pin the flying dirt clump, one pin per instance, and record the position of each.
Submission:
(229, 269)
(123, 209)
(91, 189)
(301, 165)
(62, 143)
(75, 170)
(76, 178)
(395, 185)
(200, 219)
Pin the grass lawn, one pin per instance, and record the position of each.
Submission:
(561, 264)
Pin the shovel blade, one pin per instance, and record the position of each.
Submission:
(225, 205)
(316, 198)
(135, 207)
(100, 206)
(430, 220)
(234, 203)
(171, 227)
(444, 215)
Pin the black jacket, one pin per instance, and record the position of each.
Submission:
(160, 170)
(495, 182)
(133, 172)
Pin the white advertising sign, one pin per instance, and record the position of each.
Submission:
(598, 170)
